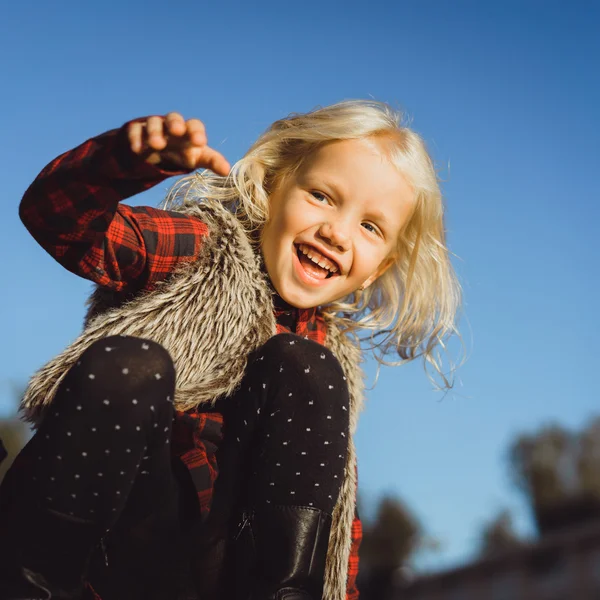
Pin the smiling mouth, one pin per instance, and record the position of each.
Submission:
(310, 258)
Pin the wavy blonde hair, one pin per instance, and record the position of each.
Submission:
(411, 309)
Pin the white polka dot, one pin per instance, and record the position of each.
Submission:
(335, 476)
(277, 464)
(125, 371)
(118, 493)
(145, 346)
(311, 401)
(107, 451)
(329, 496)
(78, 362)
(79, 407)
(237, 438)
(166, 429)
(343, 434)
(84, 454)
(307, 370)
(310, 503)
(152, 407)
(77, 475)
(344, 378)
(49, 498)
(298, 473)
(322, 464)
(59, 457)
(245, 422)
(289, 394)
(344, 408)
(329, 416)
(285, 443)
(92, 376)
(280, 369)
(155, 425)
(340, 456)
(128, 450)
(303, 453)
(108, 348)
(289, 421)
(271, 483)
(157, 375)
(330, 387)
(95, 493)
(326, 443)
(258, 411)
(99, 474)
(134, 401)
(68, 389)
(322, 356)
(52, 478)
(292, 492)
(137, 428)
(69, 433)
(73, 495)
(106, 401)
(264, 386)
(94, 429)
(168, 398)
(117, 427)
(56, 414)
(145, 472)
(292, 342)
(308, 429)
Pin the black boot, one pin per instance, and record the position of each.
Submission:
(44, 554)
(280, 553)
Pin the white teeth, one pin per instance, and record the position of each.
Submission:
(317, 258)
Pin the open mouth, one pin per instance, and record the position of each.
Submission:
(315, 264)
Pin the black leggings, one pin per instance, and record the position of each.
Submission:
(102, 452)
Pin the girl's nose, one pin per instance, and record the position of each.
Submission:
(335, 235)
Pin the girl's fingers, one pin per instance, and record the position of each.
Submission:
(155, 137)
(175, 124)
(196, 132)
(134, 134)
(213, 160)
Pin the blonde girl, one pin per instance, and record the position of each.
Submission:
(196, 439)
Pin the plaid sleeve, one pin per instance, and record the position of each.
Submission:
(351, 589)
(72, 210)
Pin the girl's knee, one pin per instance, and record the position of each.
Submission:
(123, 356)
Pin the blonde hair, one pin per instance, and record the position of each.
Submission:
(411, 309)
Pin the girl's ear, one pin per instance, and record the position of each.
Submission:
(383, 267)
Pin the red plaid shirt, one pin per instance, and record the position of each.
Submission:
(73, 210)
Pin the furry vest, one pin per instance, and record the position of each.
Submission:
(210, 314)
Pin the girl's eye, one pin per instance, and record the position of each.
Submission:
(320, 197)
(370, 227)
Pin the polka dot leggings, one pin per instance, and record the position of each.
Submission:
(286, 429)
(105, 440)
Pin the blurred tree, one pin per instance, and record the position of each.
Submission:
(14, 434)
(499, 536)
(388, 544)
(559, 473)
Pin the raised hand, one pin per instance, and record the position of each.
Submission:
(174, 142)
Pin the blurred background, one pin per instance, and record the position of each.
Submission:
(491, 490)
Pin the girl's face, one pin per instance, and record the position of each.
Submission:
(334, 224)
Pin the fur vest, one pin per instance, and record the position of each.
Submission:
(210, 314)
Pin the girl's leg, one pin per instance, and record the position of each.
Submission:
(287, 429)
(101, 455)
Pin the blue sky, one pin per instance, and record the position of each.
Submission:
(506, 96)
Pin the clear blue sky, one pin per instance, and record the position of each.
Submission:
(506, 95)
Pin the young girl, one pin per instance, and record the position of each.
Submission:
(330, 224)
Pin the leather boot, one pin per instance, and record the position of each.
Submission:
(280, 553)
(44, 554)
